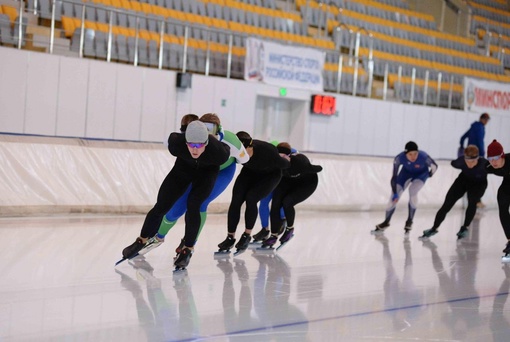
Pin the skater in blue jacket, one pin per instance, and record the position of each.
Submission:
(476, 134)
(411, 168)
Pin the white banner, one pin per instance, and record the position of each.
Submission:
(485, 96)
(283, 65)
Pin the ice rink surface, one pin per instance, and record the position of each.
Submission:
(333, 282)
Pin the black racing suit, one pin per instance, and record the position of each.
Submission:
(257, 179)
(200, 173)
(471, 181)
(503, 194)
(298, 183)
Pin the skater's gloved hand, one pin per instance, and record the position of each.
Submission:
(394, 197)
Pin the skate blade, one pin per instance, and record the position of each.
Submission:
(377, 232)
(124, 259)
(239, 252)
(279, 247)
(120, 261)
(283, 244)
(505, 259)
(407, 231)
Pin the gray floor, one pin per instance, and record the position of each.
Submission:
(333, 282)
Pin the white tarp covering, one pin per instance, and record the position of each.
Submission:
(283, 65)
(53, 175)
(485, 96)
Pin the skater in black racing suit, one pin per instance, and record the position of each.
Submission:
(499, 167)
(298, 183)
(472, 180)
(198, 161)
(258, 177)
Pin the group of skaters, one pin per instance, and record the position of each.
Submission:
(206, 158)
(205, 164)
(412, 168)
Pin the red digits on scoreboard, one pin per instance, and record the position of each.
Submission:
(322, 104)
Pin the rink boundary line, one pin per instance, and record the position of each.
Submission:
(366, 313)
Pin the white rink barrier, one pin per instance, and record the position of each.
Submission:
(43, 175)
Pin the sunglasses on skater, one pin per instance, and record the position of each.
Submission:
(494, 158)
(195, 145)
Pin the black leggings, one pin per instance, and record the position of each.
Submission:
(460, 186)
(504, 205)
(289, 193)
(250, 187)
(172, 188)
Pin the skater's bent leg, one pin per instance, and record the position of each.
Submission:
(170, 190)
(203, 218)
(414, 188)
(224, 178)
(179, 207)
(192, 219)
(199, 192)
(503, 206)
(474, 196)
(392, 204)
(239, 191)
(297, 195)
(233, 217)
(251, 213)
(264, 210)
(259, 190)
(290, 213)
(276, 204)
(165, 227)
(455, 192)
(171, 217)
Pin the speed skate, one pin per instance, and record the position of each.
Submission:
(151, 244)
(270, 249)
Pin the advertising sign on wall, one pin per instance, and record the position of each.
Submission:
(485, 96)
(283, 65)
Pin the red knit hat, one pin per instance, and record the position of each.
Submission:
(494, 149)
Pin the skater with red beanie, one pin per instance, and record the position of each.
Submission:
(497, 158)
